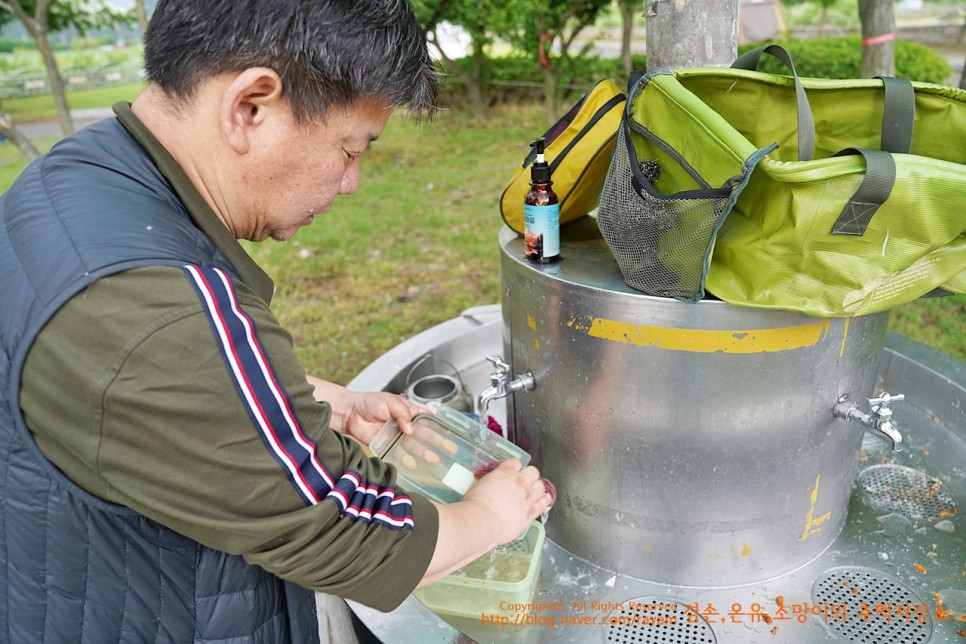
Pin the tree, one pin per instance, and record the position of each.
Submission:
(823, 20)
(962, 77)
(142, 15)
(878, 38)
(629, 9)
(471, 16)
(42, 17)
(8, 130)
(530, 26)
(547, 28)
(674, 41)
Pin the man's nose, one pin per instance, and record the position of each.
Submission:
(350, 180)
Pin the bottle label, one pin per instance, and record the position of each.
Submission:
(542, 235)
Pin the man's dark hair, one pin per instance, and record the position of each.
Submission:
(328, 53)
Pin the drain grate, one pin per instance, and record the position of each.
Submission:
(910, 492)
(878, 609)
(658, 621)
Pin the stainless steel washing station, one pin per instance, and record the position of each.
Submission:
(724, 475)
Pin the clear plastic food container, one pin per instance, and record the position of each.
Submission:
(501, 580)
(441, 457)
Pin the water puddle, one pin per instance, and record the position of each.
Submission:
(894, 525)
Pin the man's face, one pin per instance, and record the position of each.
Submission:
(302, 168)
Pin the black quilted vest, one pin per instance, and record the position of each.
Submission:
(74, 568)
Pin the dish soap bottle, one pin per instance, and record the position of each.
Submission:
(541, 212)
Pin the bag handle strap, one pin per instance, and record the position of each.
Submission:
(898, 116)
(806, 123)
(876, 186)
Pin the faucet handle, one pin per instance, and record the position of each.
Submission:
(880, 407)
(879, 420)
(882, 401)
(498, 362)
(882, 418)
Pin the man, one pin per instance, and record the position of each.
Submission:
(167, 474)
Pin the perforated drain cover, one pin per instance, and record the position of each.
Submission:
(910, 492)
(878, 609)
(658, 621)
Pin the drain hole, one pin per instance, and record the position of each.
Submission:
(875, 608)
(658, 621)
(907, 491)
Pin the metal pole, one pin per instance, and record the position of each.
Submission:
(691, 33)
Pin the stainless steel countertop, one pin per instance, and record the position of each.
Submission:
(881, 557)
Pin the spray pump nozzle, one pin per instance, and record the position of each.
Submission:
(538, 145)
(540, 170)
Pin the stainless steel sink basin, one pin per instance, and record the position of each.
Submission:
(896, 573)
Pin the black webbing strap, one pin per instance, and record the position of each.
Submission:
(898, 116)
(876, 186)
(806, 123)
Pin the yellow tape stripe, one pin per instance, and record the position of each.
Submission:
(705, 340)
(845, 334)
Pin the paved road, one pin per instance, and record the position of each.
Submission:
(82, 118)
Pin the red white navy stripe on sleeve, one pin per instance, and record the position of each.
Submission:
(271, 412)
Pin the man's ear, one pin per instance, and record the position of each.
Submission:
(245, 105)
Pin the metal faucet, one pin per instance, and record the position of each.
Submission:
(880, 419)
(500, 384)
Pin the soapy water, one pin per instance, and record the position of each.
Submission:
(499, 566)
(582, 581)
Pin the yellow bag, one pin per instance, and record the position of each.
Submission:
(578, 148)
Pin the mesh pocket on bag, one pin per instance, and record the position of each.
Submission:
(662, 244)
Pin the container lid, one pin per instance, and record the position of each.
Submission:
(441, 457)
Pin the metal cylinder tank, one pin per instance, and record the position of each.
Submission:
(690, 444)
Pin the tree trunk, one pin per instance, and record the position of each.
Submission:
(477, 105)
(673, 40)
(550, 94)
(36, 26)
(627, 32)
(142, 16)
(962, 76)
(56, 83)
(472, 85)
(544, 46)
(9, 130)
(878, 38)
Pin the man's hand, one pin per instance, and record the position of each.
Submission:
(423, 445)
(513, 495)
(497, 510)
(362, 414)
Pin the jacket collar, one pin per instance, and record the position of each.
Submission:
(201, 213)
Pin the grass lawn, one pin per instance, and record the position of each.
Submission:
(31, 109)
(417, 244)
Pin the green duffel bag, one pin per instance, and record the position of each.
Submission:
(827, 197)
